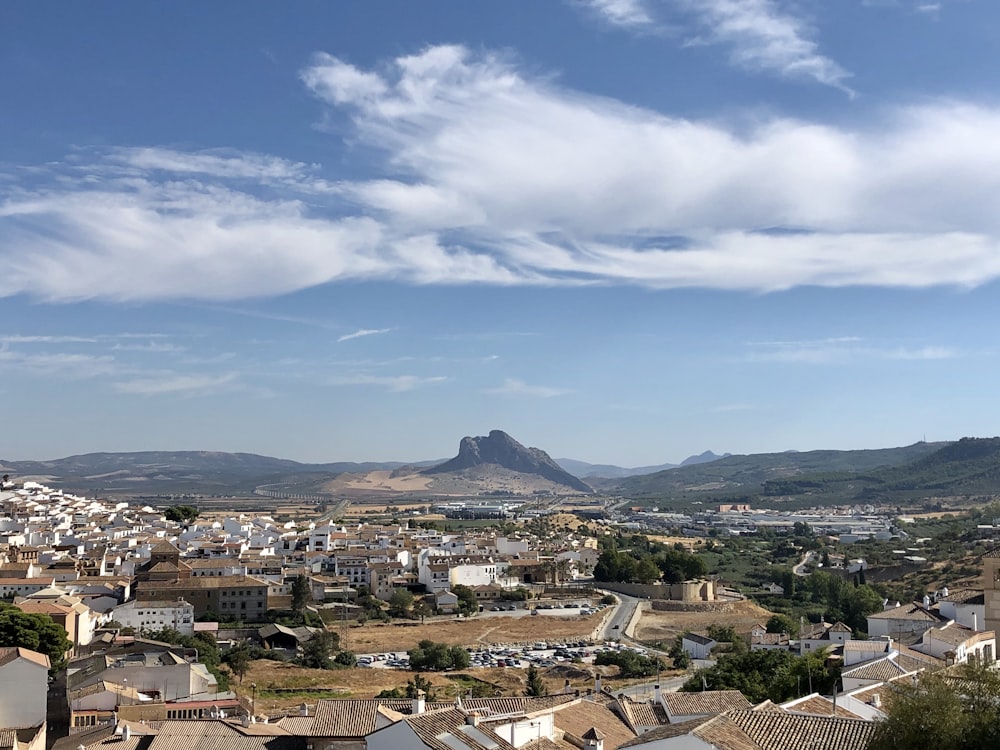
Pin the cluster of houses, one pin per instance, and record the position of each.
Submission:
(91, 562)
(100, 567)
(592, 719)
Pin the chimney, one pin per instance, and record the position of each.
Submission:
(472, 719)
(419, 703)
(126, 732)
(593, 739)
(597, 684)
(245, 721)
(876, 701)
(657, 695)
(303, 709)
(566, 688)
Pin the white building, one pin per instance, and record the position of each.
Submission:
(23, 687)
(148, 616)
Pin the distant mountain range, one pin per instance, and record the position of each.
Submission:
(585, 470)
(497, 464)
(748, 475)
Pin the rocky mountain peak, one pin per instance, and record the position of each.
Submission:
(500, 449)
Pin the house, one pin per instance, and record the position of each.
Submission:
(761, 640)
(151, 615)
(957, 644)
(964, 606)
(446, 602)
(684, 707)
(23, 687)
(757, 729)
(207, 734)
(823, 635)
(697, 646)
(903, 621)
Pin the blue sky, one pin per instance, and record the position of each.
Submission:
(623, 231)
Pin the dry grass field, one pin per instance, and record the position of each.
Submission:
(314, 684)
(379, 637)
(665, 626)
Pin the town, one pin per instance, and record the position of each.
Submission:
(170, 623)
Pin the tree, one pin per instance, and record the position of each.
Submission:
(467, 604)
(400, 603)
(301, 593)
(647, 571)
(345, 659)
(318, 650)
(630, 663)
(238, 659)
(780, 624)
(421, 609)
(766, 675)
(34, 631)
(181, 513)
(429, 656)
(536, 686)
(955, 712)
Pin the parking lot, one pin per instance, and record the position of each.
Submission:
(539, 654)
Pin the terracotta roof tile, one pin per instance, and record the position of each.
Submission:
(704, 703)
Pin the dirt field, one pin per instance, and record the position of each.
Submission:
(375, 638)
(665, 626)
(367, 683)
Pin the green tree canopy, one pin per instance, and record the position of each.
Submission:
(181, 513)
(467, 603)
(958, 712)
(429, 656)
(536, 686)
(301, 593)
(34, 631)
(763, 675)
(400, 603)
(781, 624)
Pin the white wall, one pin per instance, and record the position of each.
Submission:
(23, 691)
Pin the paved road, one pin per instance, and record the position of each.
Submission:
(616, 624)
(807, 558)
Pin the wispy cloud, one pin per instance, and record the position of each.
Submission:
(362, 332)
(19, 339)
(841, 350)
(764, 38)
(393, 383)
(726, 408)
(176, 384)
(60, 364)
(629, 14)
(515, 387)
(501, 194)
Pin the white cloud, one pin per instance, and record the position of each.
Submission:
(515, 387)
(499, 178)
(176, 383)
(624, 13)
(20, 339)
(763, 38)
(394, 383)
(362, 333)
(841, 350)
